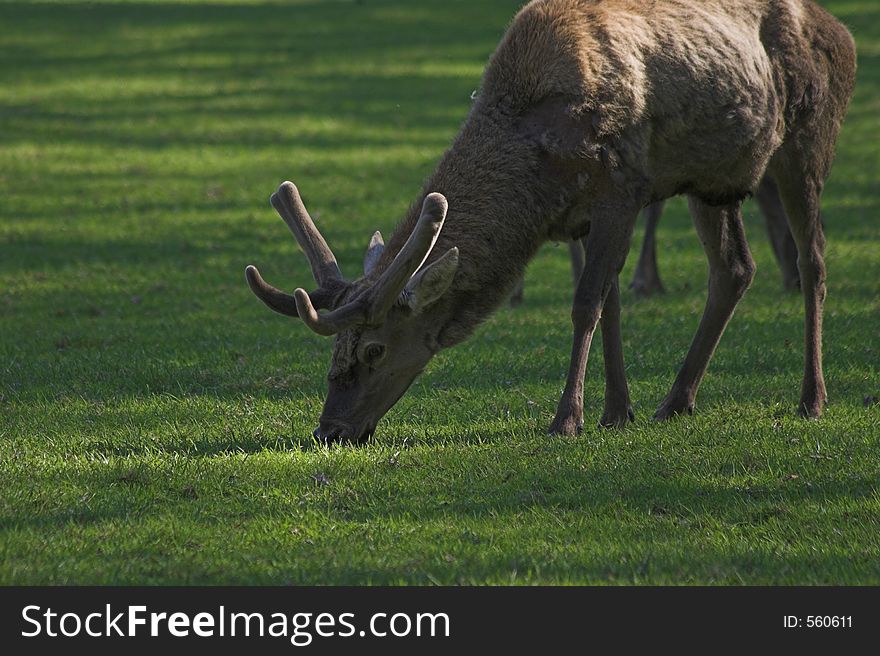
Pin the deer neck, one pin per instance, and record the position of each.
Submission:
(501, 203)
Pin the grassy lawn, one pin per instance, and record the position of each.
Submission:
(155, 418)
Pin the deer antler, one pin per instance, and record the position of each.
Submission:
(373, 304)
(369, 307)
(274, 298)
(288, 203)
(413, 254)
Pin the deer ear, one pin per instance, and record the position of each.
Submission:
(374, 252)
(429, 284)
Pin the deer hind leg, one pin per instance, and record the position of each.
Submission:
(731, 270)
(646, 279)
(800, 188)
(605, 249)
(781, 240)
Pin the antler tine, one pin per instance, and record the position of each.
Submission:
(274, 298)
(374, 252)
(347, 316)
(410, 258)
(288, 203)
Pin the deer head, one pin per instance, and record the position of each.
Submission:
(384, 336)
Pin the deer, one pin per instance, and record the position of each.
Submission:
(588, 112)
(646, 278)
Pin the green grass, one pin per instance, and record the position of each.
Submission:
(155, 417)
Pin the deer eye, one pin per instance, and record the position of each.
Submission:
(373, 352)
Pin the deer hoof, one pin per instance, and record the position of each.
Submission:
(672, 408)
(617, 418)
(812, 408)
(567, 426)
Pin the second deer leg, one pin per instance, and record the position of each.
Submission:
(605, 251)
(618, 410)
(646, 280)
(781, 240)
(731, 270)
(801, 195)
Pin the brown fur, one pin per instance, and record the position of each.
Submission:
(588, 111)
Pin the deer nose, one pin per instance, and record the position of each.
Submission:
(328, 432)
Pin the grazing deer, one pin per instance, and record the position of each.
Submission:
(589, 111)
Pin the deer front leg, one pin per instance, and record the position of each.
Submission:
(606, 248)
(731, 270)
(618, 410)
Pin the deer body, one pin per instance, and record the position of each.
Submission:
(589, 111)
